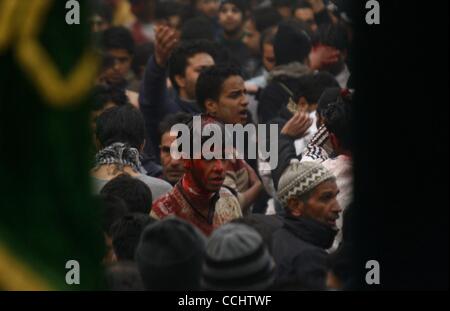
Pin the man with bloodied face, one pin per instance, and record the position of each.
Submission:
(199, 197)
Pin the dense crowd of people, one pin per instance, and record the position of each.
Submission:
(231, 223)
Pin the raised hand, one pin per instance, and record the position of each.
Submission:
(165, 41)
(298, 125)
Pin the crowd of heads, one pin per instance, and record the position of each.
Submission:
(233, 62)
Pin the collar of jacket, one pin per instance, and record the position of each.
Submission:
(187, 106)
(222, 40)
(311, 231)
(291, 70)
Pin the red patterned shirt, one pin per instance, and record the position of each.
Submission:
(223, 208)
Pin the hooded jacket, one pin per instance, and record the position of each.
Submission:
(299, 249)
(282, 83)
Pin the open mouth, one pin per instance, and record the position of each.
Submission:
(333, 221)
(217, 180)
(175, 174)
(243, 114)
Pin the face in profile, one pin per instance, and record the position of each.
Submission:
(252, 37)
(268, 56)
(321, 205)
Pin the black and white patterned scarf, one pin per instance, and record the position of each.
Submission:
(121, 155)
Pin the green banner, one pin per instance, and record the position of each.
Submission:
(47, 214)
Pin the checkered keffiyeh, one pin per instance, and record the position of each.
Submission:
(121, 155)
(299, 178)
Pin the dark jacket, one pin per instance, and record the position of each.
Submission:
(239, 55)
(282, 84)
(155, 103)
(299, 249)
(286, 152)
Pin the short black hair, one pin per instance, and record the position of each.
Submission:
(178, 61)
(141, 56)
(282, 3)
(112, 209)
(102, 9)
(334, 35)
(302, 4)
(341, 263)
(136, 194)
(123, 124)
(242, 5)
(126, 233)
(292, 43)
(205, 120)
(338, 118)
(172, 119)
(196, 28)
(311, 86)
(123, 276)
(265, 18)
(166, 9)
(210, 82)
(117, 37)
(104, 94)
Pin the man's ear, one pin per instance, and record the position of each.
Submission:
(211, 107)
(295, 207)
(181, 81)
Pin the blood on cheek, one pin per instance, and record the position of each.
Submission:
(206, 168)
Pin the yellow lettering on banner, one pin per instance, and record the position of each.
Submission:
(59, 91)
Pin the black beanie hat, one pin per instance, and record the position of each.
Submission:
(170, 255)
(242, 5)
(237, 259)
(291, 44)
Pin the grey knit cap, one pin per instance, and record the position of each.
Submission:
(299, 178)
(237, 259)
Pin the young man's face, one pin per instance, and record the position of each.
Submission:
(306, 15)
(322, 204)
(208, 7)
(252, 37)
(120, 66)
(195, 65)
(231, 108)
(207, 174)
(230, 18)
(98, 23)
(173, 169)
(285, 12)
(268, 56)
